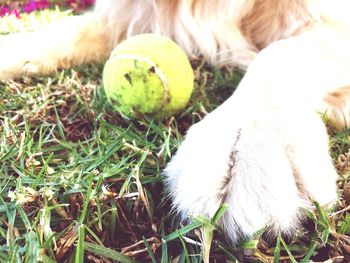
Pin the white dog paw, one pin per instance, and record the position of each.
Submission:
(337, 108)
(256, 163)
(16, 63)
(264, 152)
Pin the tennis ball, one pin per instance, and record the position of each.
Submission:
(150, 75)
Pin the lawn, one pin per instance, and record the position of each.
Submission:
(81, 183)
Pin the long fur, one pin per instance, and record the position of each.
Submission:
(264, 151)
(225, 32)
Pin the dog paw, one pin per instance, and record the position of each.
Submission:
(262, 163)
(337, 108)
(16, 62)
(13, 56)
(264, 152)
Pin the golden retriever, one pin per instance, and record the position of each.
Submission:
(265, 150)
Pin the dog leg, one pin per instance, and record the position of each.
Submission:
(265, 150)
(70, 41)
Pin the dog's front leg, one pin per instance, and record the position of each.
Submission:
(265, 150)
(242, 154)
(67, 42)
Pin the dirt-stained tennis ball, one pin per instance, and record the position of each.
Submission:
(149, 75)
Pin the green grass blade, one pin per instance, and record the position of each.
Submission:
(93, 234)
(24, 217)
(164, 249)
(219, 213)
(250, 244)
(323, 217)
(184, 254)
(87, 200)
(5, 207)
(108, 253)
(292, 259)
(60, 125)
(8, 154)
(277, 253)
(114, 146)
(182, 231)
(79, 250)
(229, 254)
(149, 250)
(323, 222)
(32, 247)
(310, 252)
(42, 171)
(114, 216)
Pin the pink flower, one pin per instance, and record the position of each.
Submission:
(16, 13)
(5, 11)
(42, 4)
(29, 6)
(34, 5)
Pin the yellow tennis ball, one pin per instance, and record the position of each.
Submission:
(150, 75)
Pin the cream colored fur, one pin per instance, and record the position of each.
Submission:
(218, 30)
(265, 150)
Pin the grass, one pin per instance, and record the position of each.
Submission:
(80, 183)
